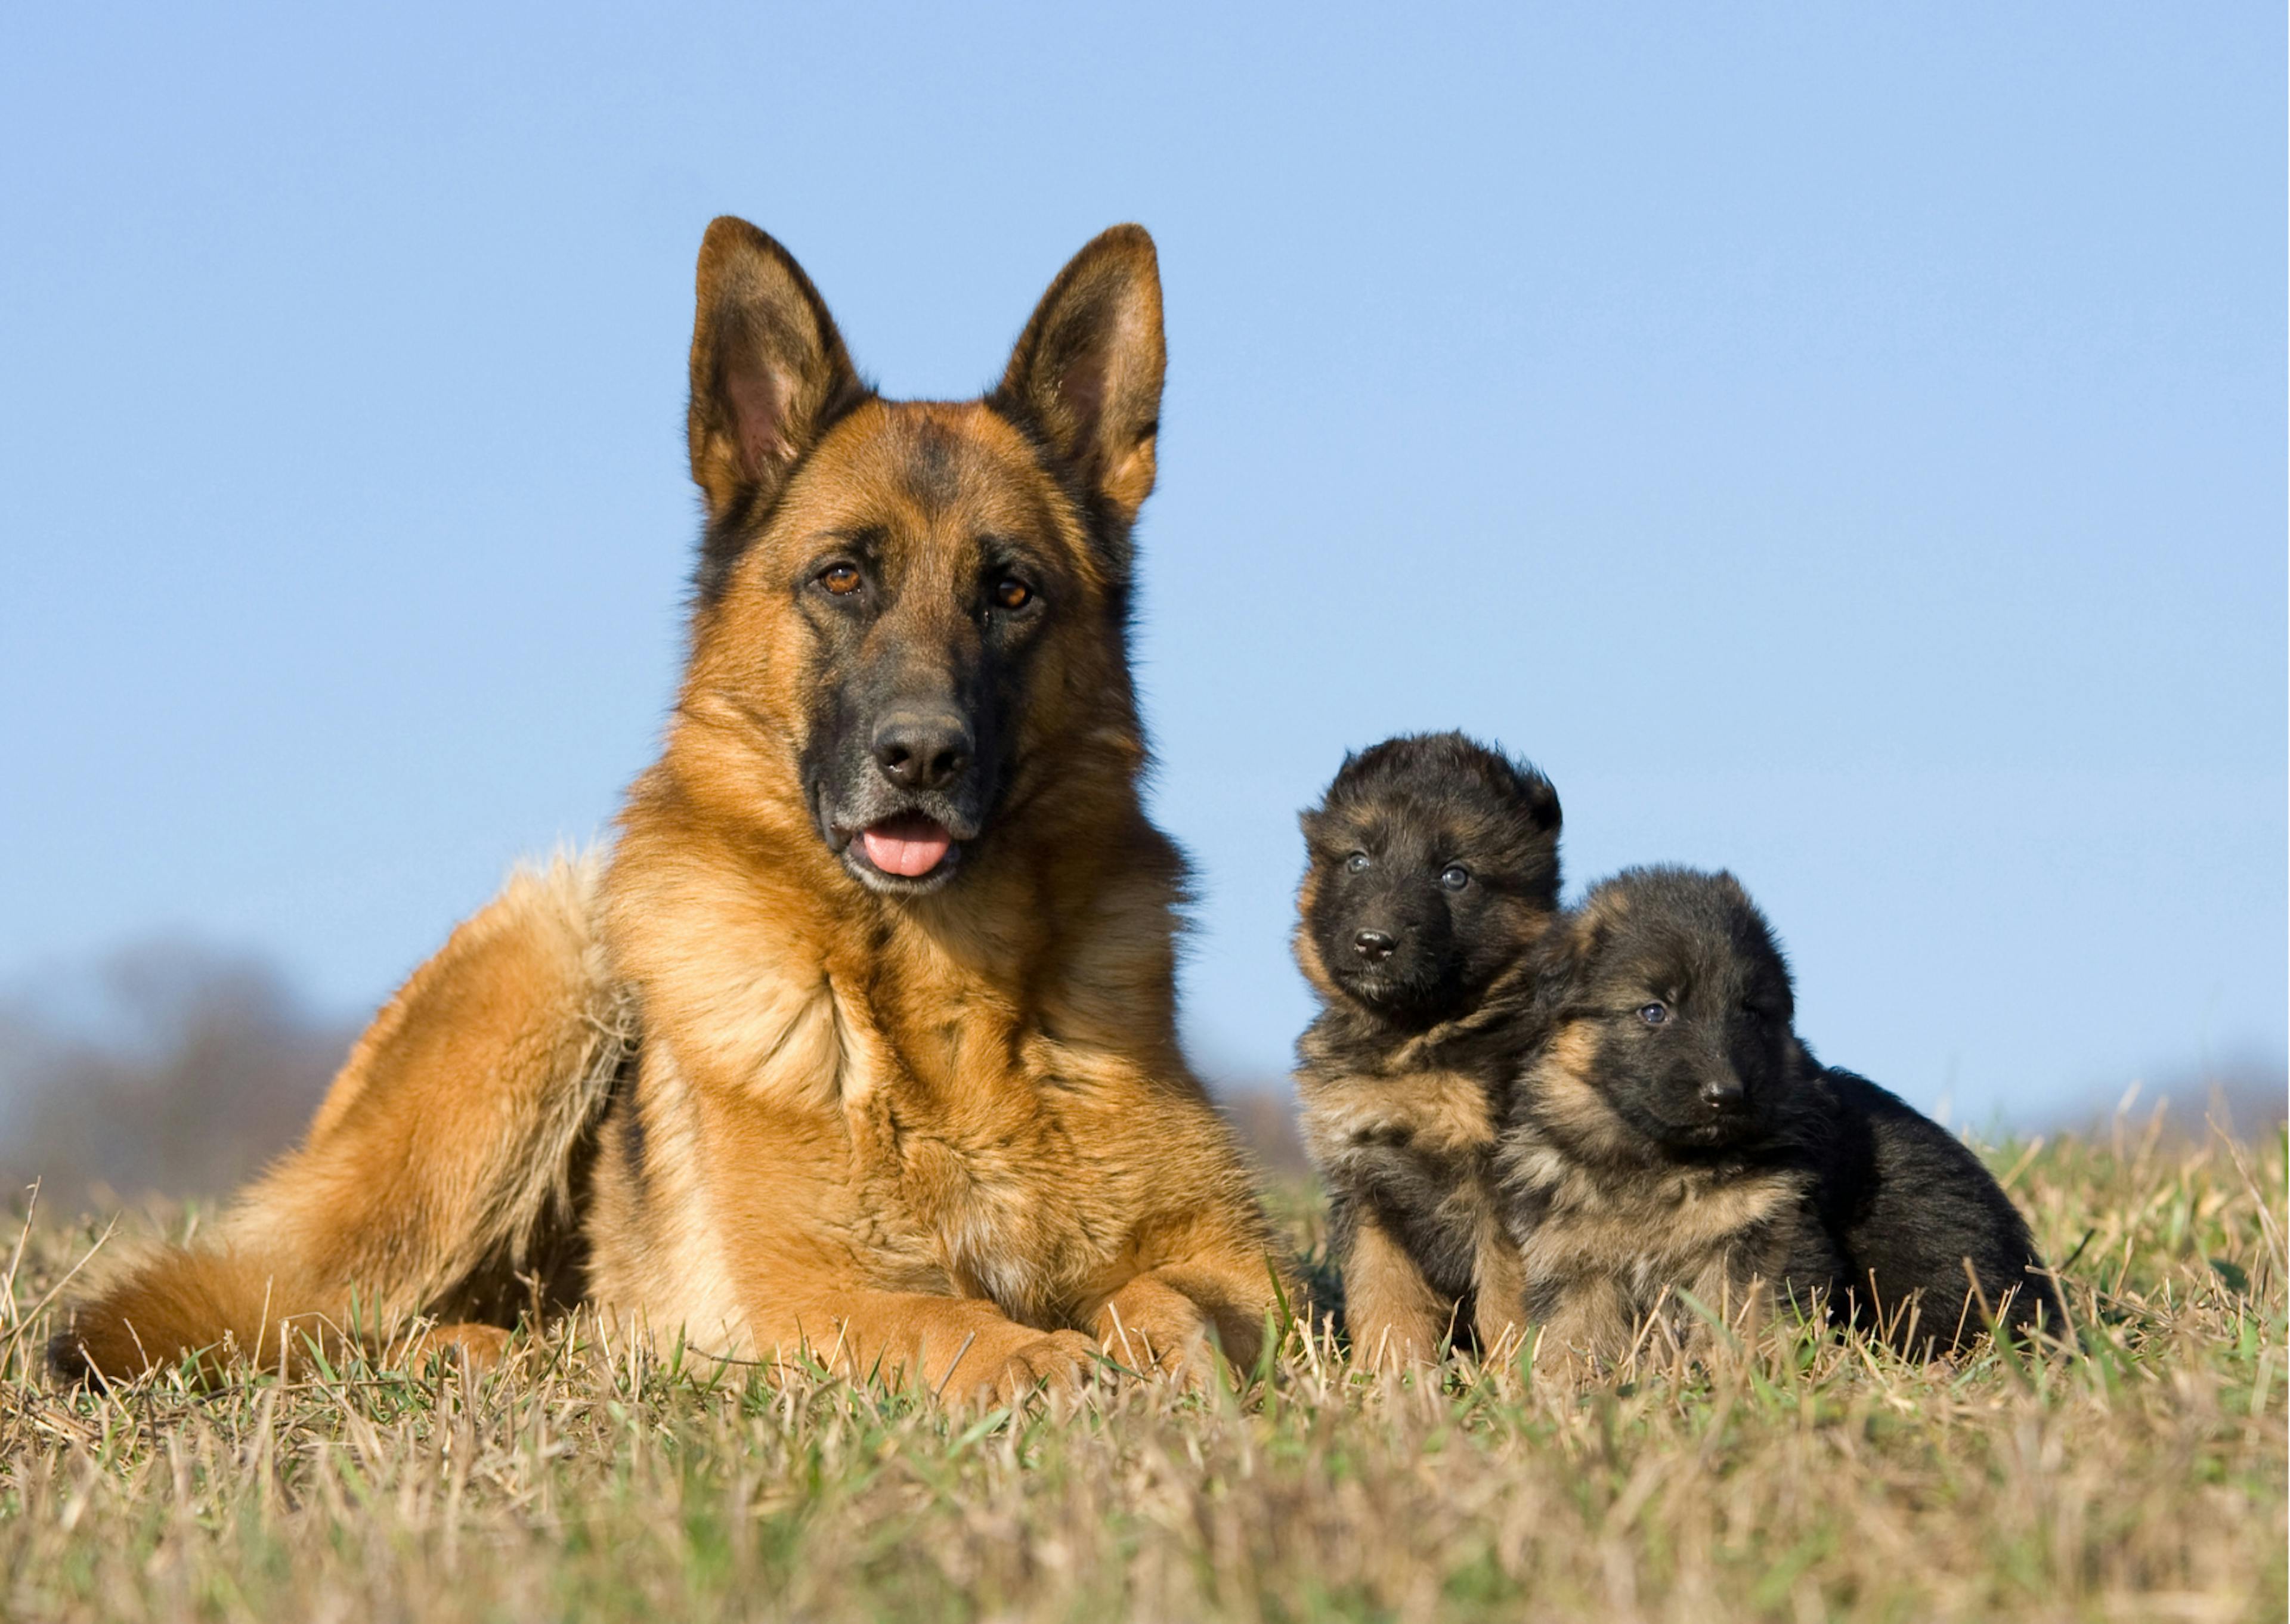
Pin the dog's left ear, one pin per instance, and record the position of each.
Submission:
(1087, 374)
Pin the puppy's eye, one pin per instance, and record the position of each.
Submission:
(1012, 595)
(1454, 877)
(1357, 862)
(1653, 1014)
(840, 579)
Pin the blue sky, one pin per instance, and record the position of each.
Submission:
(1845, 444)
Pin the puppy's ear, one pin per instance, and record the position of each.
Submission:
(1540, 796)
(769, 371)
(1562, 955)
(1086, 377)
(1753, 935)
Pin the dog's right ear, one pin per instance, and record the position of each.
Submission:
(769, 371)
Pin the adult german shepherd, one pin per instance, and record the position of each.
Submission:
(864, 1041)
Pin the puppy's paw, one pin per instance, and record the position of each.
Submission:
(1392, 1343)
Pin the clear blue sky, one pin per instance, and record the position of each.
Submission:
(1842, 443)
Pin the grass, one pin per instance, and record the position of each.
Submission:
(1796, 1477)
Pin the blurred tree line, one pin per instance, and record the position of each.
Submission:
(170, 1067)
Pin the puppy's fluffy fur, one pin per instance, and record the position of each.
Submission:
(1669, 1132)
(1434, 868)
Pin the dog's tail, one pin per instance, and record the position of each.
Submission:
(440, 1175)
(210, 1304)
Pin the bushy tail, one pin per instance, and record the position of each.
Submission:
(440, 1176)
(178, 1302)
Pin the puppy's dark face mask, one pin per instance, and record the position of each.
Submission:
(1415, 908)
(1691, 1006)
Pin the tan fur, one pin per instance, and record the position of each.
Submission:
(1609, 1251)
(1440, 1112)
(949, 1138)
(1394, 1315)
(1498, 1282)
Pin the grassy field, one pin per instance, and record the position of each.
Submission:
(1798, 1477)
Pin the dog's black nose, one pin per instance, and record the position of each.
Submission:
(922, 750)
(1375, 946)
(1722, 1093)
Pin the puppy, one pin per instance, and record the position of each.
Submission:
(1433, 869)
(1669, 1132)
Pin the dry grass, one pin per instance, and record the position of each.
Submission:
(1796, 1478)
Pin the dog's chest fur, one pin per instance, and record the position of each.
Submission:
(1625, 1232)
(939, 1142)
(1404, 1130)
(988, 1185)
(1414, 1149)
(1402, 1139)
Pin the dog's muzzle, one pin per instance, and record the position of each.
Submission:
(901, 811)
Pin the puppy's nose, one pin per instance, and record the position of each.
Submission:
(1375, 946)
(1722, 1093)
(922, 749)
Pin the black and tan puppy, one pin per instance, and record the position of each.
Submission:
(1669, 1132)
(1434, 868)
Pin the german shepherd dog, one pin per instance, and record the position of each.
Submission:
(1670, 1133)
(1433, 869)
(864, 1043)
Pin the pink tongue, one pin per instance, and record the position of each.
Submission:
(910, 847)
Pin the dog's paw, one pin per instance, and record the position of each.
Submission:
(1058, 1360)
(1157, 1333)
(477, 1348)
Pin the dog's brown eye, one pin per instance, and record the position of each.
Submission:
(1653, 1014)
(840, 579)
(1010, 592)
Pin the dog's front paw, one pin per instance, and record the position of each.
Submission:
(476, 1348)
(1153, 1330)
(1060, 1361)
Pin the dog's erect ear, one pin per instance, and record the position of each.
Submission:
(1540, 796)
(768, 369)
(1086, 373)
